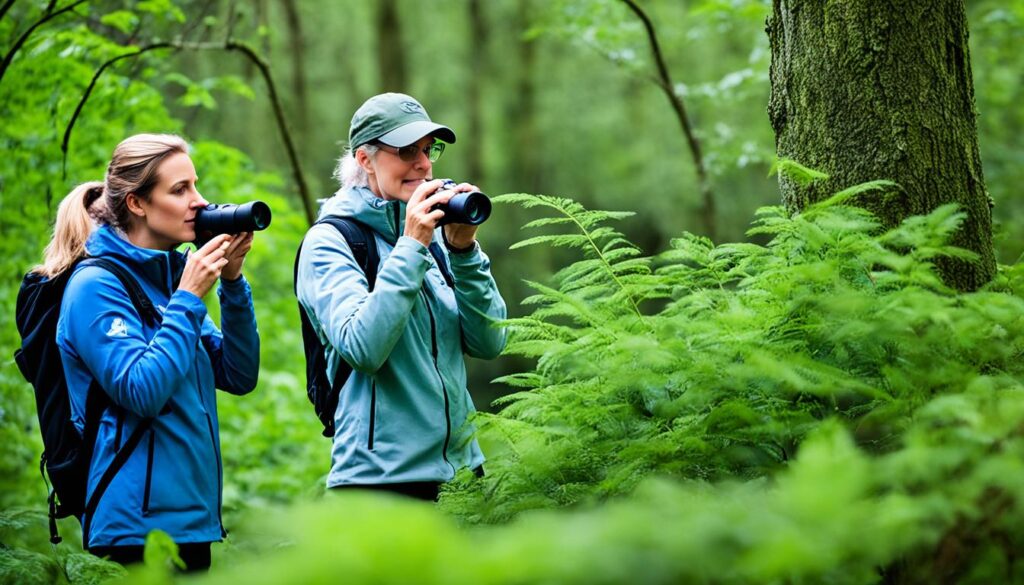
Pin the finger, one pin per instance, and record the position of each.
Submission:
(214, 255)
(466, 187)
(433, 217)
(212, 245)
(436, 199)
(218, 266)
(232, 247)
(424, 190)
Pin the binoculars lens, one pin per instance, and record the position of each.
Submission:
(471, 208)
(228, 218)
(260, 215)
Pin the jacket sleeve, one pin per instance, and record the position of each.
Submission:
(480, 304)
(102, 327)
(363, 327)
(235, 353)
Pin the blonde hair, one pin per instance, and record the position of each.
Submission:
(348, 172)
(132, 169)
(74, 224)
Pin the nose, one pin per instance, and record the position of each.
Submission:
(423, 161)
(200, 201)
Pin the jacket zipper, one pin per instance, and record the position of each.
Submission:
(373, 413)
(220, 480)
(216, 451)
(444, 389)
(117, 433)
(149, 474)
(398, 224)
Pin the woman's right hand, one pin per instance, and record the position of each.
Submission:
(420, 216)
(203, 267)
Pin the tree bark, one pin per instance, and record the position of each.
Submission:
(478, 32)
(297, 52)
(527, 170)
(864, 90)
(391, 52)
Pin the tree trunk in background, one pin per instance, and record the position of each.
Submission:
(390, 52)
(865, 92)
(478, 38)
(297, 52)
(522, 115)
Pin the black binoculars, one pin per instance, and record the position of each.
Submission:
(228, 218)
(471, 208)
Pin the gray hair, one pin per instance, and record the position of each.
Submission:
(348, 172)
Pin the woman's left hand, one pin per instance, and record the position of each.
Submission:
(235, 254)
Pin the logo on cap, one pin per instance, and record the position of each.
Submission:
(411, 108)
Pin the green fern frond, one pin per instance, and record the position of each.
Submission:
(796, 172)
(557, 241)
(842, 197)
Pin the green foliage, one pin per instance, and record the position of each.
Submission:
(741, 351)
(161, 551)
(797, 172)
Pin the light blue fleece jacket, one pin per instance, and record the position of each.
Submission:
(402, 414)
(173, 479)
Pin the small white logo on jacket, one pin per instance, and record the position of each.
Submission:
(118, 328)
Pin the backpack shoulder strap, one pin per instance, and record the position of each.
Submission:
(442, 263)
(97, 402)
(360, 239)
(138, 297)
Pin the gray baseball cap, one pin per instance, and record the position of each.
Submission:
(395, 119)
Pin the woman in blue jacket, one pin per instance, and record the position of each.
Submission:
(172, 481)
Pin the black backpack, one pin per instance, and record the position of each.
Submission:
(66, 453)
(322, 392)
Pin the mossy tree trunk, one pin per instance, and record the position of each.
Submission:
(864, 90)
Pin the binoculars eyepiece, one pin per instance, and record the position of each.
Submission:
(228, 218)
(471, 208)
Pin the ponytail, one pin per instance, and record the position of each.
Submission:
(75, 223)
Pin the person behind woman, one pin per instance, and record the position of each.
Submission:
(145, 209)
(401, 422)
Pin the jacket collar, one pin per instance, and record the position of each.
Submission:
(385, 217)
(161, 268)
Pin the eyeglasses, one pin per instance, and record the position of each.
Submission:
(411, 152)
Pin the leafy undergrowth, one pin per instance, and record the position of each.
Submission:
(820, 408)
(713, 363)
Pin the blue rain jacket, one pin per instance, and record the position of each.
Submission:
(402, 414)
(173, 480)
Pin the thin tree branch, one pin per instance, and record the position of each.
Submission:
(7, 6)
(48, 15)
(664, 81)
(228, 45)
(88, 92)
(282, 125)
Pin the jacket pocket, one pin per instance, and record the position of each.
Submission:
(149, 473)
(373, 414)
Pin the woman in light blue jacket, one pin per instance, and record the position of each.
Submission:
(401, 422)
(164, 371)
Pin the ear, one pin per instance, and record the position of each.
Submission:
(365, 161)
(134, 204)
